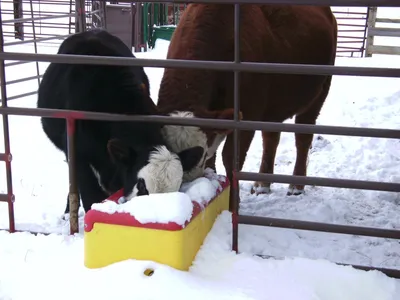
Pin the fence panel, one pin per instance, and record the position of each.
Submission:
(236, 124)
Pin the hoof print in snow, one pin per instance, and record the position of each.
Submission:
(65, 217)
(319, 143)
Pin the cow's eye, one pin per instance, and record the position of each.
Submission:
(141, 187)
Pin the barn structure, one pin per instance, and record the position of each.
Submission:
(27, 22)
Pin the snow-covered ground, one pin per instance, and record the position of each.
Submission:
(39, 267)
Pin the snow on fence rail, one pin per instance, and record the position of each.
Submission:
(236, 125)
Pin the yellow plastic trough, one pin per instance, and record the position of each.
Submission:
(111, 238)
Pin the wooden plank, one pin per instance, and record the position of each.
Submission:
(372, 11)
(385, 50)
(386, 20)
(378, 31)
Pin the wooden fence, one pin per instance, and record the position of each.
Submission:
(392, 30)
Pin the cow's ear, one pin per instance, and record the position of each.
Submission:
(120, 153)
(190, 157)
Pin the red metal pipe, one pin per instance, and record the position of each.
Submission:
(6, 133)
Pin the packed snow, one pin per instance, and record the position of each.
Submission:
(203, 189)
(174, 207)
(38, 267)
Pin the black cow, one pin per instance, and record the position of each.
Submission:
(110, 155)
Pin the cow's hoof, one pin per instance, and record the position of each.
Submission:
(259, 189)
(293, 191)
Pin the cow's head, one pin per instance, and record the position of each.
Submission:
(179, 138)
(151, 170)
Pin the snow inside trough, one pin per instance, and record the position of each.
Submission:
(174, 207)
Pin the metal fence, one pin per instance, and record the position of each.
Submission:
(236, 66)
(38, 28)
(352, 27)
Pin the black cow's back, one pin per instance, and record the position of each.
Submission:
(109, 89)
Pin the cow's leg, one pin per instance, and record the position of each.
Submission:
(245, 138)
(270, 145)
(89, 188)
(303, 141)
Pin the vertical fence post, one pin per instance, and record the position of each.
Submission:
(73, 197)
(6, 134)
(146, 33)
(34, 41)
(371, 22)
(80, 17)
(18, 14)
(234, 201)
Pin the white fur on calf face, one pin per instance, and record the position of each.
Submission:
(163, 173)
(179, 138)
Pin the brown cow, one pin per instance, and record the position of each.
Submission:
(269, 33)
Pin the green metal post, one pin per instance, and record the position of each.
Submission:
(156, 14)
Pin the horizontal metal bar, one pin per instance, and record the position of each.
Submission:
(210, 65)
(64, 15)
(42, 25)
(350, 18)
(17, 63)
(377, 31)
(320, 227)
(347, 51)
(23, 79)
(3, 197)
(213, 123)
(320, 181)
(350, 48)
(352, 30)
(393, 273)
(351, 37)
(42, 2)
(5, 157)
(351, 25)
(37, 40)
(349, 13)
(348, 42)
(21, 95)
(345, 3)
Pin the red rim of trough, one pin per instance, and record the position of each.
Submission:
(126, 219)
